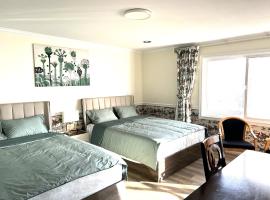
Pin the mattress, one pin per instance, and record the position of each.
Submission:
(169, 148)
(146, 139)
(85, 186)
(55, 166)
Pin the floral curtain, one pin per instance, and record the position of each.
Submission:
(187, 61)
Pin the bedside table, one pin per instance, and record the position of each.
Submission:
(83, 136)
(79, 135)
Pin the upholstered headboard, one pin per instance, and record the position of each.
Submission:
(104, 102)
(26, 109)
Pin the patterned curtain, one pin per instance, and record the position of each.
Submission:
(187, 60)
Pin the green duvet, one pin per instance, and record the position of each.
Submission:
(35, 164)
(145, 139)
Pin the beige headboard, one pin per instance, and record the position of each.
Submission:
(104, 102)
(26, 109)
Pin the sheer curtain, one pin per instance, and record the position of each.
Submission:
(187, 61)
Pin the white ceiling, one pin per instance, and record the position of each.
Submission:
(172, 21)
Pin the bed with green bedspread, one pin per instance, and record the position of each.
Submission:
(146, 139)
(34, 164)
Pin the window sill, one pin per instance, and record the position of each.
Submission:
(253, 122)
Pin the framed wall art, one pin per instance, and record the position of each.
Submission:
(60, 66)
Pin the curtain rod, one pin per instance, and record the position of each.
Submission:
(186, 46)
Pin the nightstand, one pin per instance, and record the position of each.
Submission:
(79, 135)
(84, 137)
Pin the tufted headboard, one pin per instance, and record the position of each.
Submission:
(26, 109)
(104, 102)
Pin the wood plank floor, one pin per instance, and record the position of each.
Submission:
(176, 187)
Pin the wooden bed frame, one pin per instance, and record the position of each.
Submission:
(165, 167)
(169, 165)
(113, 192)
(28, 109)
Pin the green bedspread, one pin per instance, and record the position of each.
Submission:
(35, 164)
(140, 138)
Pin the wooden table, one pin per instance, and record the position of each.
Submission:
(246, 177)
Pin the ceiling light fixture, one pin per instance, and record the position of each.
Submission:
(137, 14)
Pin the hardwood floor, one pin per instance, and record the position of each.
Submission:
(175, 187)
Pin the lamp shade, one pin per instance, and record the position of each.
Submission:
(70, 116)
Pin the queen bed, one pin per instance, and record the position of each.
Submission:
(38, 164)
(162, 146)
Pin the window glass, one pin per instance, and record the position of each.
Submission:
(258, 93)
(223, 87)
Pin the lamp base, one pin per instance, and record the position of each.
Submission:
(71, 126)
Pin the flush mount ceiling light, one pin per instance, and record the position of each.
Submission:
(137, 14)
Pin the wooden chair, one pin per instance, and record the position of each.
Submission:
(213, 155)
(267, 145)
(233, 131)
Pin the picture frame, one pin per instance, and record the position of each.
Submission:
(60, 66)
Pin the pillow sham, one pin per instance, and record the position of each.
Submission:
(125, 111)
(24, 126)
(103, 115)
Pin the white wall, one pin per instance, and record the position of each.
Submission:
(138, 77)
(150, 75)
(159, 76)
(113, 71)
(159, 69)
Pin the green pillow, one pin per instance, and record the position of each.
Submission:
(125, 111)
(24, 126)
(103, 115)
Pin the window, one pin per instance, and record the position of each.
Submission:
(236, 86)
(258, 93)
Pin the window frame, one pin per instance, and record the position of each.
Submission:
(247, 57)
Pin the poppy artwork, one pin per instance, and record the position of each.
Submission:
(60, 66)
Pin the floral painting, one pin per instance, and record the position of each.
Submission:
(60, 66)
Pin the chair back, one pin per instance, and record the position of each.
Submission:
(233, 129)
(213, 155)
